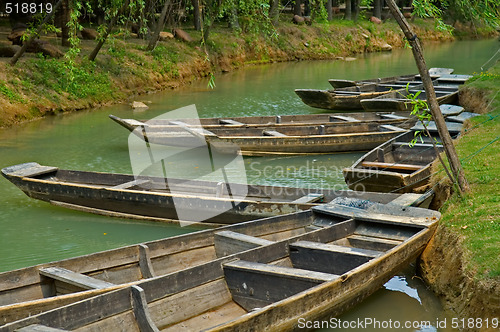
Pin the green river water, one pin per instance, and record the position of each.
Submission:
(33, 232)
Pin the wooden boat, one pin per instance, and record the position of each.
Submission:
(402, 119)
(434, 72)
(446, 93)
(393, 166)
(348, 254)
(294, 140)
(152, 198)
(348, 98)
(32, 290)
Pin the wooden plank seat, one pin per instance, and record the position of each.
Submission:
(130, 184)
(309, 198)
(393, 116)
(273, 133)
(38, 328)
(344, 118)
(254, 285)
(372, 243)
(229, 242)
(35, 171)
(230, 122)
(390, 128)
(74, 278)
(406, 145)
(328, 258)
(390, 166)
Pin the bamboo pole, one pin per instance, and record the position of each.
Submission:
(416, 48)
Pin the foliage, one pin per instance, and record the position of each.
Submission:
(427, 8)
(11, 95)
(85, 80)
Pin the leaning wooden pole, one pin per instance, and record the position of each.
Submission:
(449, 148)
(27, 43)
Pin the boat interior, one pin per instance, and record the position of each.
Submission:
(324, 249)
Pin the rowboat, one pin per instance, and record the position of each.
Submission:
(159, 199)
(348, 98)
(348, 254)
(446, 89)
(32, 290)
(290, 140)
(402, 120)
(433, 72)
(393, 166)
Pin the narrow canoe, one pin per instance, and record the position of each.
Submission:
(393, 166)
(347, 98)
(394, 101)
(153, 198)
(294, 140)
(434, 72)
(350, 253)
(275, 122)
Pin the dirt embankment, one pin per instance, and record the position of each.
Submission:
(36, 87)
(446, 262)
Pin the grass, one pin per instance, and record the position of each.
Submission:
(476, 215)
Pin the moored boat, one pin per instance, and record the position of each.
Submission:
(393, 166)
(159, 199)
(290, 140)
(347, 98)
(352, 251)
(434, 73)
(397, 100)
(401, 119)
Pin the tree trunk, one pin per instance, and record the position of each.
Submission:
(233, 18)
(307, 8)
(110, 26)
(357, 4)
(159, 26)
(449, 148)
(297, 10)
(197, 14)
(274, 11)
(65, 17)
(329, 9)
(21, 51)
(377, 8)
(348, 7)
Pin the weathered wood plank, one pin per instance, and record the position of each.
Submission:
(344, 118)
(309, 198)
(169, 311)
(250, 282)
(73, 278)
(38, 328)
(220, 315)
(391, 166)
(372, 243)
(328, 258)
(145, 265)
(230, 122)
(141, 311)
(228, 243)
(273, 133)
(130, 184)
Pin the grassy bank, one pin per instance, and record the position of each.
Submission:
(37, 86)
(463, 261)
